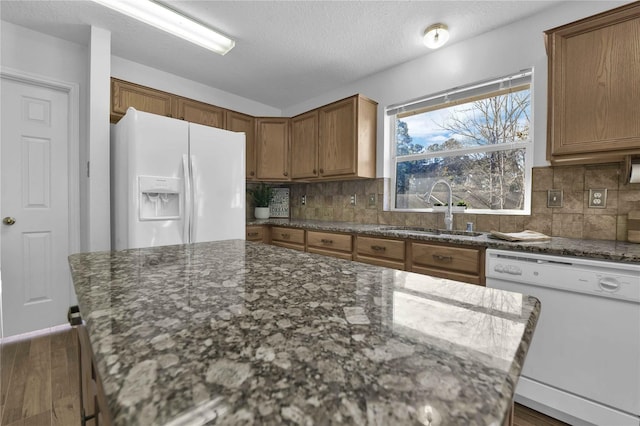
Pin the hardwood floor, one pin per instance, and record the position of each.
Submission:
(39, 384)
(525, 416)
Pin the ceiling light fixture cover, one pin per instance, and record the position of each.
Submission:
(172, 22)
(436, 36)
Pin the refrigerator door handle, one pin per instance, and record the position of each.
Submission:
(186, 231)
(194, 200)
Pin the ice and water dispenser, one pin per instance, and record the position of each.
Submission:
(159, 197)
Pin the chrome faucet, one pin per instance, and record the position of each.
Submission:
(448, 216)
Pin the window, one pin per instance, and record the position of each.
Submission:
(477, 138)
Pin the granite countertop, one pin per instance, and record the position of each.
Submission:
(617, 251)
(235, 332)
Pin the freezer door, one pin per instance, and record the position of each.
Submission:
(218, 184)
(147, 147)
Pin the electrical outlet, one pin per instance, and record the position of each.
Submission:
(597, 198)
(371, 200)
(303, 200)
(554, 198)
(353, 200)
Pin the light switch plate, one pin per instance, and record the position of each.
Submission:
(597, 198)
(554, 198)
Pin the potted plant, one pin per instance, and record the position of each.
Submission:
(261, 196)
(439, 207)
(460, 206)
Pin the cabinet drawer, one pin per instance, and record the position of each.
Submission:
(287, 235)
(329, 241)
(294, 246)
(332, 253)
(255, 233)
(466, 260)
(378, 261)
(380, 247)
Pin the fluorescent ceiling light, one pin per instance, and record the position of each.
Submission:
(172, 22)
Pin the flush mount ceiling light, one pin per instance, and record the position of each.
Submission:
(172, 22)
(436, 36)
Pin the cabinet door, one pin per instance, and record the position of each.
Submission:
(237, 122)
(255, 233)
(338, 138)
(272, 149)
(125, 95)
(304, 145)
(199, 112)
(594, 85)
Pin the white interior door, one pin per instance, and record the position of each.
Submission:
(35, 194)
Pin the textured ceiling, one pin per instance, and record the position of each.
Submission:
(286, 51)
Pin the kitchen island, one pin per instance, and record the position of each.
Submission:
(234, 332)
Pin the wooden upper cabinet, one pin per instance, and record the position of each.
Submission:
(237, 122)
(347, 138)
(304, 145)
(125, 95)
(272, 149)
(594, 87)
(200, 112)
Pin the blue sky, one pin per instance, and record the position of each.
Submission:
(424, 128)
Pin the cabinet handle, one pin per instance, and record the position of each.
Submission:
(181, 118)
(285, 173)
(252, 234)
(315, 171)
(378, 248)
(285, 236)
(252, 173)
(442, 258)
(321, 171)
(325, 241)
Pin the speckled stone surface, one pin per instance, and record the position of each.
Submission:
(616, 251)
(234, 332)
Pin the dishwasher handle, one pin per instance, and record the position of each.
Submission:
(609, 284)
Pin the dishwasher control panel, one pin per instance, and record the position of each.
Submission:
(600, 278)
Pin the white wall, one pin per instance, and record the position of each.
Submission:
(151, 77)
(99, 147)
(493, 54)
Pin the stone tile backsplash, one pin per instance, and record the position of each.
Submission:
(331, 201)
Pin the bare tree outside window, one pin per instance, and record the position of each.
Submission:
(478, 146)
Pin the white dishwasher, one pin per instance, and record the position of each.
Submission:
(583, 366)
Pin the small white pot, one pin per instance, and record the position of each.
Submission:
(261, 212)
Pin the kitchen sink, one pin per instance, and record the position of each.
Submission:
(429, 231)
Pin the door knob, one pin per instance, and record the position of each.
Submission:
(8, 220)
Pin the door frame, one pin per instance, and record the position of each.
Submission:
(73, 144)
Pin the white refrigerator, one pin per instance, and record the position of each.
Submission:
(175, 182)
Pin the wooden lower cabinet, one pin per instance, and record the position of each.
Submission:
(255, 233)
(380, 251)
(453, 262)
(292, 238)
(93, 403)
(330, 244)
